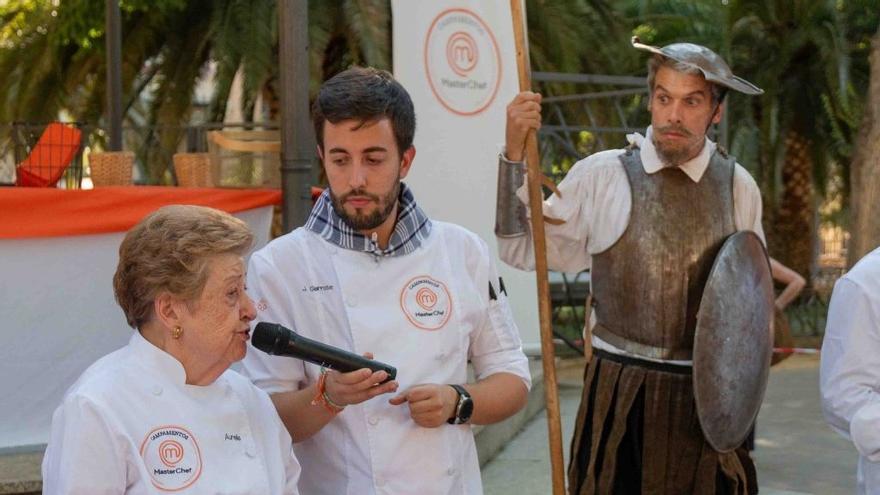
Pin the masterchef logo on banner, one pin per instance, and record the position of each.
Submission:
(462, 62)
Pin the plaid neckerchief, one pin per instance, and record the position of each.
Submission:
(412, 227)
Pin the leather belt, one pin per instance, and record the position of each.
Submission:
(642, 349)
(678, 369)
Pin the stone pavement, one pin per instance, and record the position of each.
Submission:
(796, 452)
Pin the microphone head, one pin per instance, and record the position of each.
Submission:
(266, 336)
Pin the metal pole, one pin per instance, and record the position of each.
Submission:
(114, 75)
(297, 141)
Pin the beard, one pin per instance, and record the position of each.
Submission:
(361, 221)
(673, 155)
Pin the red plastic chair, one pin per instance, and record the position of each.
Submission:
(55, 150)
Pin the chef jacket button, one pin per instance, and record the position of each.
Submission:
(157, 390)
(249, 453)
(441, 356)
(373, 421)
(450, 471)
(351, 301)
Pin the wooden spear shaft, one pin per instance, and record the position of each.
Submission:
(536, 202)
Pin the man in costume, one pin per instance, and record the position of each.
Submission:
(649, 221)
(371, 273)
(850, 370)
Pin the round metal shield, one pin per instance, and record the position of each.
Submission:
(733, 343)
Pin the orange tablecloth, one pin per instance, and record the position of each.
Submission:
(37, 212)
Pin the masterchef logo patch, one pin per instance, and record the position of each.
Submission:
(462, 62)
(172, 457)
(426, 302)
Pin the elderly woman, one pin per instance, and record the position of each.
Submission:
(165, 413)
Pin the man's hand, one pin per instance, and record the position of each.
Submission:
(357, 386)
(430, 405)
(523, 115)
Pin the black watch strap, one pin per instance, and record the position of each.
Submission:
(463, 408)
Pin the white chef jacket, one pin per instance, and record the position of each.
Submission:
(850, 367)
(596, 202)
(130, 424)
(426, 313)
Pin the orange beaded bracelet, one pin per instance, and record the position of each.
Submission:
(321, 396)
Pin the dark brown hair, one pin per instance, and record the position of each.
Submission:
(366, 95)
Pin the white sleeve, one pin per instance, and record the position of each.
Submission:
(292, 470)
(82, 457)
(865, 433)
(566, 243)
(747, 202)
(266, 286)
(495, 347)
(850, 365)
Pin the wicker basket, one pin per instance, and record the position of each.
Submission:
(193, 169)
(111, 168)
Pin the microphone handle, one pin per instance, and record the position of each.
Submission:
(336, 359)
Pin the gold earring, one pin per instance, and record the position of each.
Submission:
(176, 333)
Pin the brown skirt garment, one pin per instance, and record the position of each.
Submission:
(637, 432)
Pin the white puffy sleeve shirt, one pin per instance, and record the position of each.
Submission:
(850, 367)
(131, 425)
(427, 313)
(596, 201)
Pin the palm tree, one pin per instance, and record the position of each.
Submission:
(167, 44)
(865, 176)
(798, 53)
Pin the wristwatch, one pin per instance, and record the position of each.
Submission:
(464, 408)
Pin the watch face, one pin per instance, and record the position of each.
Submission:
(467, 408)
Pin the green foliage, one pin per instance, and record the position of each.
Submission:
(842, 117)
(52, 56)
(559, 165)
(242, 34)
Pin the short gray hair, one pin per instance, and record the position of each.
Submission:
(169, 250)
(657, 61)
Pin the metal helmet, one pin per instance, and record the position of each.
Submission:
(713, 67)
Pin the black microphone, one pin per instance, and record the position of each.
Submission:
(277, 340)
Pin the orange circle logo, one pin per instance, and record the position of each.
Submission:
(172, 457)
(170, 452)
(426, 298)
(426, 302)
(462, 62)
(462, 53)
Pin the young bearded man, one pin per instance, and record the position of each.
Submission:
(371, 273)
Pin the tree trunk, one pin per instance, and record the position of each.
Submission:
(865, 169)
(793, 237)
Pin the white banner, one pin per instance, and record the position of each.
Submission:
(59, 317)
(457, 59)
